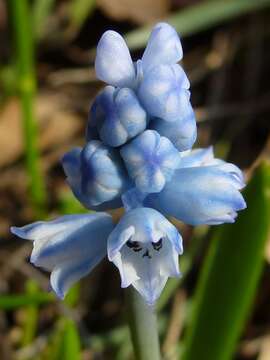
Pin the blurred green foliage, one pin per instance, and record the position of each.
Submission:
(234, 262)
(199, 17)
(230, 276)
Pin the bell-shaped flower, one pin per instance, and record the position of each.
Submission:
(70, 246)
(145, 246)
(117, 115)
(96, 175)
(163, 92)
(113, 62)
(204, 191)
(205, 157)
(182, 132)
(150, 160)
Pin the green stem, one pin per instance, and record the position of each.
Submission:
(143, 326)
(24, 49)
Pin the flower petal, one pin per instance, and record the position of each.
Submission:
(145, 246)
(205, 157)
(95, 174)
(68, 273)
(199, 195)
(69, 246)
(198, 157)
(163, 90)
(148, 275)
(163, 47)
(182, 132)
(117, 116)
(113, 61)
(150, 160)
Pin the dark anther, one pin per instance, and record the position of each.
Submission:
(147, 254)
(158, 245)
(134, 245)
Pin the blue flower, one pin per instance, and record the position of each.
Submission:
(159, 83)
(140, 131)
(145, 246)
(70, 247)
(163, 92)
(96, 175)
(163, 47)
(113, 62)
(183, 132)
(117, 115)
(150, 160)
(203, 191)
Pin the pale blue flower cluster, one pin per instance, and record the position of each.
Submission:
(140, 132)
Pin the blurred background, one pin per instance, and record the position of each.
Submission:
(220, 308)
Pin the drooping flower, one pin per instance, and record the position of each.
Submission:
(70, 247)
(203, 191)
(145, 248)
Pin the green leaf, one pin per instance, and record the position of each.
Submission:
(230, 275)
(73, 296)
(11, 302)
(31, 315)
(199, 17)
(67, 345)
(40, 12)
(68, 204)
(79, 11)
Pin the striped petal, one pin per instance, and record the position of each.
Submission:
(70, 246)
(145, 247)
(200, 195)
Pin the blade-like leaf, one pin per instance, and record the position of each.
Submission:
(79, 10)
(230, 276)
(31, 315)
(10, 302)
(67, 346)
(199, 17)
(40, 13)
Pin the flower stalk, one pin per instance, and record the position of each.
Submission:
(24, 52)
(142, 321)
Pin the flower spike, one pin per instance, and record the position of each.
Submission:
(140, 132)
